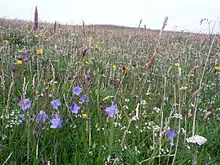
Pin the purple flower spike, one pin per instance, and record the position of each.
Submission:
(13, 69)
(74, 108)
(41, 117)
(55, 104)
(84, 98)
(77, 91)
(56, 122)
(171, 134)
(24, 104)
(112, 111)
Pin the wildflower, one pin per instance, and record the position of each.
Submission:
(84, 98)
(88, 77)
(97, 47)
(40, 51)
(26, 60)
(17, 75)
(20, 57)
(56, 122)
(114, 66)
(126, 70)
(218, 46)
(55, 103)
(117, 85)
(177, 64)
(74, 108)
(84, 115)
(36, 36)
(19, 62)
(112, 111)
(4, 41)
(171, 134)
(24, 104)
(25, 52)
(35, 19)
(87, 63)
(41, 117)
(13, 69)
(196, 139)
(217, 68)
(22, 116)
(70, 40)
(76, 91)
(143, 102)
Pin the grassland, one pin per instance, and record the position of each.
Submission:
(107, 95)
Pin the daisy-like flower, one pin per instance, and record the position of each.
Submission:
(196, 139)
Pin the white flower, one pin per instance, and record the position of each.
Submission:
(143, 102)
(156, 109)
(196, 139)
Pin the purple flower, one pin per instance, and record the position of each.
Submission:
(55, 103)
(24, 104)
(88, 77)
(41, 117)
(26, 59)
(171, 134)
(56, 122)
(17, 75)
(22, 116)
(25, 52)
(13, 69)
(112, 111)
(77, 91)
(74, 108)
(84, 98)
(20, 57)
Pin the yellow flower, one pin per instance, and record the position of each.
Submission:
(177, 64)
(126, 70)
(84, 115)
(219, 46)
(19, 62)
(4, 41)
(36, 36)
(114, 66)
(96, 46)
(217, 68)
(70, 40)
(87, 63)
(40, 51)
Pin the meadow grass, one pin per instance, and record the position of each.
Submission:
(148, 93)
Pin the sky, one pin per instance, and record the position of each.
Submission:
(182, 14)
